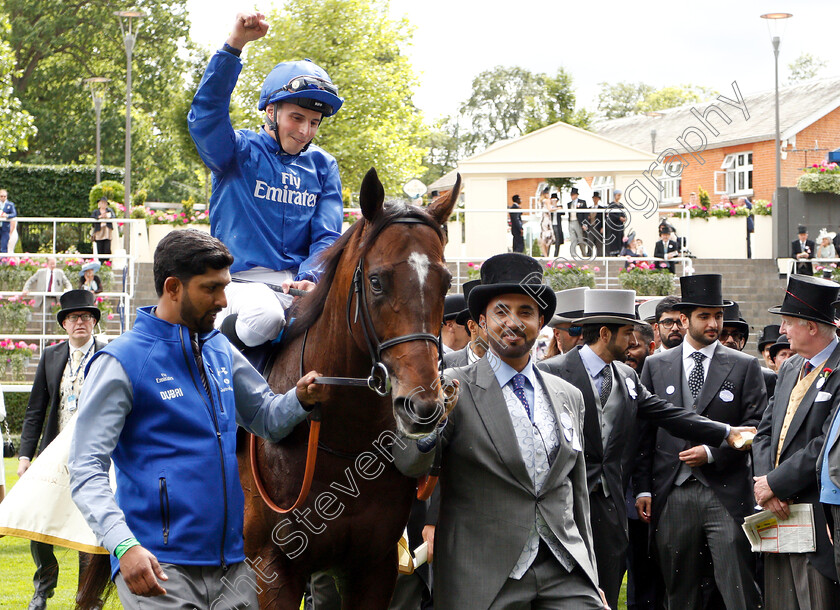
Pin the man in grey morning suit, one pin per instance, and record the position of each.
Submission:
(702, 493)
(613, 398)
(791, 434)
(475, 349)
(514, 516)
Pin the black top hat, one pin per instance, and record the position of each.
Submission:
(665, 228)
(802, 229)
(780, 344)
(809, 298)
(574, 191)
(77, 300)
(511, 273)
(596, 194)
(732, 317)
(464, 314)
(555, 196)
(769, 334)
(453, 304)
(701, 291)
(516, 199)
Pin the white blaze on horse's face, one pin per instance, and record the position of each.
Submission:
(420, 264)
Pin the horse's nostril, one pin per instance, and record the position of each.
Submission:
(416, 414)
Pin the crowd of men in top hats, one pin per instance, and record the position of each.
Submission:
(616, 452)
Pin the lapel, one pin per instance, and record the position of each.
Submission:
(672, 374)
(719, 368)
(566, 457)
(620, 420)
(808, 399)
(784, 388)
(575, 373)
(54, 369)
(492, 409)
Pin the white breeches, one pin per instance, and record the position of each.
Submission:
(261, 310)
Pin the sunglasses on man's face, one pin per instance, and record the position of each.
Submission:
(574, 331)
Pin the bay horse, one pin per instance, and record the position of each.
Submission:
(384, 278)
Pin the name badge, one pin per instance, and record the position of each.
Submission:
(820, 382)
(71, 403)
(670, 389)
(631, 387)
(726, 396)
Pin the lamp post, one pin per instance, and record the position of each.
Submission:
(97, 92)
(129, 32)
(775, 22)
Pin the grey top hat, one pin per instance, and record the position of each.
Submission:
(607, 306)
(647, 310)
(569, 306)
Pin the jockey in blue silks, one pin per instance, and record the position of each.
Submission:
(276, 201)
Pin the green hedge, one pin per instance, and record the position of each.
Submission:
(15, 408)
(53, 190)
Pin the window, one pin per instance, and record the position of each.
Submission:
(737, 175)
(671, 182)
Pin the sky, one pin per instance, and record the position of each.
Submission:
(709, 43)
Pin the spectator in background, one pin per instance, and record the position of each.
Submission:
(546, 225)
(47, 279)
(836, 242)
(102, 231)
(825, 249)
(780, 351)
(516, 225)
(614, 225)
(88, 280)
(743, 201)
(666, 248)
(557, 213)
(7, 213)
(577, 223)
(802, 249)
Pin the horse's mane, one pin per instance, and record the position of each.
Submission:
(310, 307)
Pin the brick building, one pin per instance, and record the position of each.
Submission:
(727, 145)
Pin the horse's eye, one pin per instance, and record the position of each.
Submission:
(375, 284)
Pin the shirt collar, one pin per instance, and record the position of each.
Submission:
(688, 349)
(820, 358)
(504, 372)
(592, 361)
(84, 349)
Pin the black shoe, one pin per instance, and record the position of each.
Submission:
(39, 602)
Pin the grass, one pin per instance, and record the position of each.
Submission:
(17, 568)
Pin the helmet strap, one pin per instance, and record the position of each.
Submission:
(273, 125)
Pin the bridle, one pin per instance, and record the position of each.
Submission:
(378, 381)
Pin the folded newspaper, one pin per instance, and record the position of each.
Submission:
(768, 534)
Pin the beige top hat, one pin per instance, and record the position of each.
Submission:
(569, 306)
(608, 307)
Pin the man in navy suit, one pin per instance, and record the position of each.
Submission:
(802, 249)
(7, 212)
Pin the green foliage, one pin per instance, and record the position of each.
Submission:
(110, 189)
(59, 44)
(15, 312)
(647, 280)
(562, 275)
(17, 125)
(760, 207)
(703, 197)
(819, 183)
(15, 408)
(507, 102)
(805, 67)
(624, 99)
(52, 190)
(359, 46)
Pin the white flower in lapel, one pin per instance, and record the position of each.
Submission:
(631, 387)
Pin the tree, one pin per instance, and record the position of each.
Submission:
(17, 124)
(625, 99)
(621, 99)
(673, 97)
(507, 102)
(805, 67)
(358, 45)
(59, 44)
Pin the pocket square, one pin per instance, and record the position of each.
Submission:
(821, 396)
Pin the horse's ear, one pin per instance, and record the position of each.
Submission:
(441, 209)
(371, 195)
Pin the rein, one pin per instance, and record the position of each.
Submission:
(378, 381)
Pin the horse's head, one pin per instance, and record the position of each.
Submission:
(405, 281)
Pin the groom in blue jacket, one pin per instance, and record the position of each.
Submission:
(276, 200)
(163, 401)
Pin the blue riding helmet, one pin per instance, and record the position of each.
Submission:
(303, 83)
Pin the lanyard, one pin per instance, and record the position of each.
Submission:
(81, 362)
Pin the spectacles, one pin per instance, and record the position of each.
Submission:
(735, 334)
(75, 317)
(667, 323)
(573, 331)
